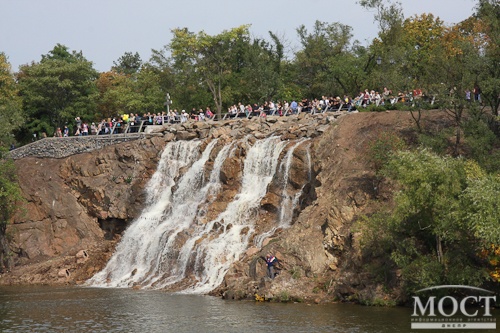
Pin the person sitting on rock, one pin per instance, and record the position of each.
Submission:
(271, 261)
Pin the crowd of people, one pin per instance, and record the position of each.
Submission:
(132, 122)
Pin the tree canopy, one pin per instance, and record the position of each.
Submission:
(11, 115)
(199, 70)
(54, 91)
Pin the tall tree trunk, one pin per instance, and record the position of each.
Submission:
(439, 249)
(417, 119)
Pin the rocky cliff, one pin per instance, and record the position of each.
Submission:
(78, 206)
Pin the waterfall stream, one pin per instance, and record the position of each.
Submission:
(288, 199)
(172, 243)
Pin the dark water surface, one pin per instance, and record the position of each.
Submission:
(73, 309)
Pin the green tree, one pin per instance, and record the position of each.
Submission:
(56, 90)
(480, 211)
(180, 80)
(350, 71)
(128, 63)
(389, 16)
(10, 103)
(320, 51)
(387, 47)
(148, 86)
(488, 69)
(10, 196)
(427, 233)
(116, 95)
(258, 76)
(445, 216)
(211, 58)
(432, 186)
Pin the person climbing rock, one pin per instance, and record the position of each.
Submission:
(271, 261)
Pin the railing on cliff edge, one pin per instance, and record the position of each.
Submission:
(57, 147)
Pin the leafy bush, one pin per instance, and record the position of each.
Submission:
(284, 296)
(437, 142)
(444, 214)
(385, 144)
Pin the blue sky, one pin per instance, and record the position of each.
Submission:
(105, 29)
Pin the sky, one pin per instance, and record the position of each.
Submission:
(105, 29)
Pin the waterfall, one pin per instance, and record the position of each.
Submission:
(171, 244)
(214, 256)
(287, 202)
(137, 255)
(288, 199)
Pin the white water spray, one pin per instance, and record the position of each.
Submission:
(137, 255)
(288, 199)
(235, 225)
(170, 243)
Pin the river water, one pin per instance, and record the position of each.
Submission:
(74, 309)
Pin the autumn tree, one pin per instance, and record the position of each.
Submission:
(116, 95)
(421, 37)
(121, 93)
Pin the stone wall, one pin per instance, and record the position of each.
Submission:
(64, 147)
(292, 127)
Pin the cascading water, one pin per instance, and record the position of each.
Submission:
(137, 255)
(169, 243)
(235, 225)
(288, 199)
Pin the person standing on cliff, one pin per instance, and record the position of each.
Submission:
(270, 262)
(295, 107)
(78, 130)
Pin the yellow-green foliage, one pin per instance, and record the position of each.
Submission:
(446, 211)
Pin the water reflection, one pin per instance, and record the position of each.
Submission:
(49, 309)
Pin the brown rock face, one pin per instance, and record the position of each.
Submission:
(85, 201)
(68, 199)
(319, 253)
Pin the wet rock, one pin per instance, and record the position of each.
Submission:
(185, 135)
(201, 125)
(218, 132)
(251, 251)
(203, 133)
(259, 135)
